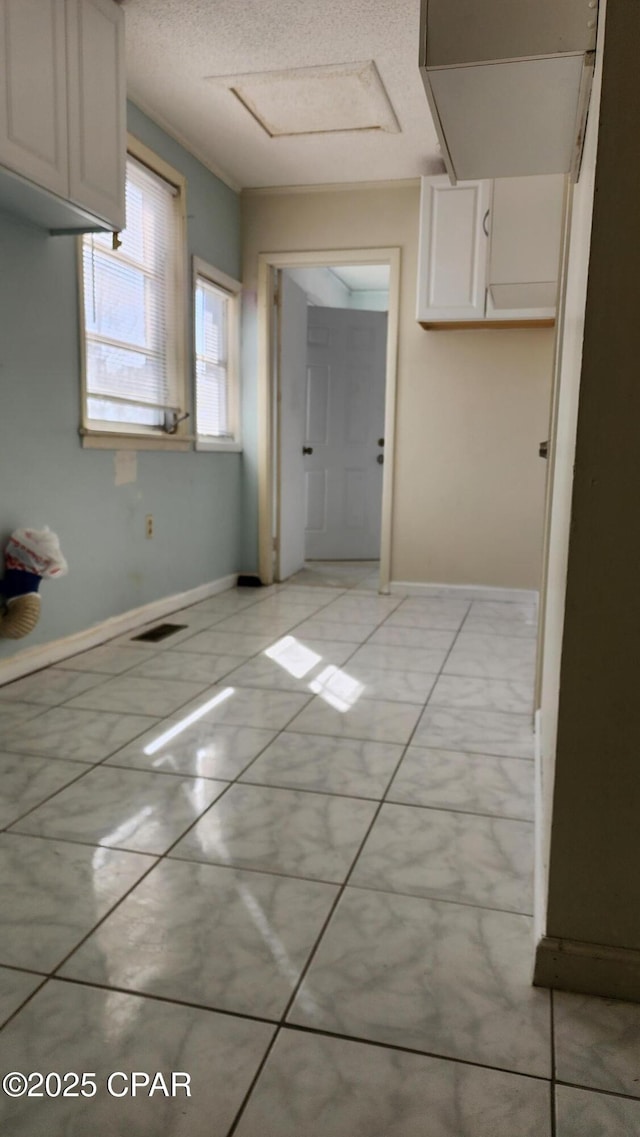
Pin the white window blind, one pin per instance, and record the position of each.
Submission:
(212, 360)
(131, 308)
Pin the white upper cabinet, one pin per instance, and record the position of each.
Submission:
(62, 113)
(33, 93)
(453, 250)
(489, 250)
(96, 82)
(526, 230)
(508, 83)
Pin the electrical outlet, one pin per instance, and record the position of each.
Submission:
(149, 525)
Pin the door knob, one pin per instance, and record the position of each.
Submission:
(307, 449)
(380, 459)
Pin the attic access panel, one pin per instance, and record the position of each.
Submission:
(315, 100)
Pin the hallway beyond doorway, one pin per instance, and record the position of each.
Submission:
(339, 574)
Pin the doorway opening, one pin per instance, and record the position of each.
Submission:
(328, 347)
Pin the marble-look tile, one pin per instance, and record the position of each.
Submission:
(126, 809)
(434, 612)
(267, 673)
(480, 732)
(226, 643)
(332, 765)
(128, 695)
(190, 667)
(298, 605)
(321, 629)
(582, 1113)
(486, 861)
(26, 781)
(361, 609)
(437, 640)
(393, 683)
(72, 1027)
(492, 657)
(15, 987)
(79, 736)
(218, 937)
(245, 706)
(195, 620)
(472, 783)
(291, 664)
(509, 695)
(233, 600)
(255, 623)
(429, 975)
(13, 713)
(597, 1042)
(52, 893)
(50, 687)
(488, 617)
(202, 750)
(108, 659)
(379, 721)
(310, 835)
(427, 660)
(317, 1086)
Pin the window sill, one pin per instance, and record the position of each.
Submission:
(210, 444)
(112, 440)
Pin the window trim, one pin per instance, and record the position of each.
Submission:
(233, 288)
(133, 437)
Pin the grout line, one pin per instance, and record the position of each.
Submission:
(476, 905)
(552, 1040)
(597, 1090)
(362, 1040)
(166, 854)
(45, 980)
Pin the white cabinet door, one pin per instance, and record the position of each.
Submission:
(33, 95)
(526, 231)
(97, 107)
(452, 257)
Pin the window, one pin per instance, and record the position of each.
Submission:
(133, 292)
(216, 329)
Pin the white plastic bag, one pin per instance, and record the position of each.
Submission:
(37, 551)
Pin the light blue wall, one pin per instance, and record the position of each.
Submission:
(46, 478)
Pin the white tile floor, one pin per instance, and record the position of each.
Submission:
(288, 851)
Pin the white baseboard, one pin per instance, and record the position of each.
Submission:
(590, 969)
(463, 591)
(43, 655)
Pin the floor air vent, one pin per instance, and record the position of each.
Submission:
(159, 633)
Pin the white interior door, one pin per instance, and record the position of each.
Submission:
(344, 429)
(291, 370)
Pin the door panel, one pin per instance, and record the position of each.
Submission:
(346, 366)
(317, 404)
(316, 499)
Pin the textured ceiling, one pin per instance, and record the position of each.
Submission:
(175, 47)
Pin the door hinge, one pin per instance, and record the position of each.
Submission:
(276, 296)
(275, 544)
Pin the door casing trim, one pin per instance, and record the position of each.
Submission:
(324, 258)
